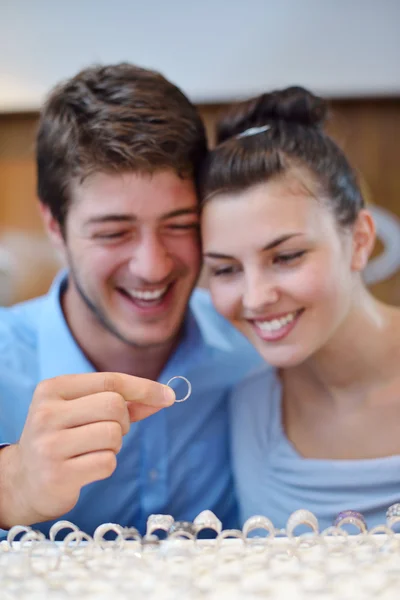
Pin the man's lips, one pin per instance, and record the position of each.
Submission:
(148, 301)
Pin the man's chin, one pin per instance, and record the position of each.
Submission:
(146, 338)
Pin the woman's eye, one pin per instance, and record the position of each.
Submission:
(289, 258)
(216, 272)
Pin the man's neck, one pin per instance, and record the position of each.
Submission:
(108, 353)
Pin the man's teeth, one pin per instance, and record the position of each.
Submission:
(147, 294)
(276, 324)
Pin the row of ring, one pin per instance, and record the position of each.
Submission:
(76, 537)
(208, 520)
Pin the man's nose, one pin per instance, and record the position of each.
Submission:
(151, 260)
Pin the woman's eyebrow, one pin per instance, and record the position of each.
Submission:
(269, 246)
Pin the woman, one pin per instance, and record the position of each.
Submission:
(286, 238)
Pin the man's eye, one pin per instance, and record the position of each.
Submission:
(183, 227)
(289, 258)
(111, 236)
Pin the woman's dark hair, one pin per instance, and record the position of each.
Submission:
(267, 136)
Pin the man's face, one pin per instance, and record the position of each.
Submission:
(132, 244)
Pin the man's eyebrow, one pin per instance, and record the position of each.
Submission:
(193, 210)
(117, 218)
(269, 246)
(124, 218)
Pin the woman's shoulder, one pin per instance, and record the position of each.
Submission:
(255, 415)
(257, 391)
(261, 376)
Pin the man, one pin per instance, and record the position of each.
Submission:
(118, 151)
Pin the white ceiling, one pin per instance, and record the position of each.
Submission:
(213, 49)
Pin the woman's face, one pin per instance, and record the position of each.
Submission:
(279, 267)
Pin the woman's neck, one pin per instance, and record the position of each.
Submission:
(361, 355)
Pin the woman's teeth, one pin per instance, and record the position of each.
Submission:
(147, 294)
(276, 324)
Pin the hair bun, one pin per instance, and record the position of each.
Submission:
(293, 104)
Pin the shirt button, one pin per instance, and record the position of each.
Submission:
(153, 475)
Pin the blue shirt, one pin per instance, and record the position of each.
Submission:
(176, 461)
(274, 480)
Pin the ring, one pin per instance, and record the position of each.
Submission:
(207, 520)
(258, 522)
(14, 531)
(59, 526)
(73, 541)
(351, 517)
(188, 384)
(230, 533)
(102, 530)
(393, 515)
(155, 522)
(184, 529)
(129, 534)
(301, 517)
(151, 542)
(32, 536)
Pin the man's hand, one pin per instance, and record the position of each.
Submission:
(71, 437)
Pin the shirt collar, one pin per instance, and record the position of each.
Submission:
(59, 353)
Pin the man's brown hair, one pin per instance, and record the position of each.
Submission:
(114, 118)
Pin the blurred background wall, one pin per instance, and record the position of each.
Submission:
(216, 51)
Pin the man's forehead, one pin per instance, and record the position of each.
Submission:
(134, 196)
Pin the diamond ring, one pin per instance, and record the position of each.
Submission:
(159, 522)
(301, 517)
(393, 515)
(207, 520)
(351, 517)
(182, 529)
(258, 522)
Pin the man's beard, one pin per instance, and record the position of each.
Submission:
(105, 322)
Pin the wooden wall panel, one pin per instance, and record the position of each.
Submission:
(368, 131)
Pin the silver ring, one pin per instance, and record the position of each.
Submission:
(32, 536)
(59, 526)
(73, 542)
(155, 522)
(207, 520)
(301, 517)
(16, 530)
(258, 522)
(102, 530)
(188, 384)
(230, 533)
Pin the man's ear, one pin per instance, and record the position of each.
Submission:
(53, 227)
(364, 236)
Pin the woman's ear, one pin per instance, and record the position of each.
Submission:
(364, 236)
